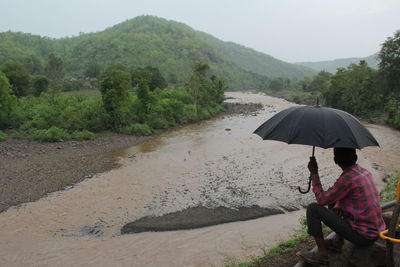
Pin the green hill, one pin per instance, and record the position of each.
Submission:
(257, 62)
(332, 65)
(171, 46)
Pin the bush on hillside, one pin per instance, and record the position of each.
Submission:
(3, 136)
(137, 129)
(82, 135)
(53, 134)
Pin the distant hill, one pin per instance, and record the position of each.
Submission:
(171, 46)
(332, 65)
(257, 62)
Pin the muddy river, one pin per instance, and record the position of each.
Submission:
(214, 163)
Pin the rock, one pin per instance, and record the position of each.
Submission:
(95, 230)
(370, 256)
(196, 217)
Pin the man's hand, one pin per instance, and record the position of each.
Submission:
(313, 166)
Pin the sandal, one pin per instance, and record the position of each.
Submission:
(313, 259)
(332, 245)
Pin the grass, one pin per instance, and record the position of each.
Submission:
(281, 248)
(388, 193)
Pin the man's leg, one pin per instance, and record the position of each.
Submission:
(314, 228)
(317, 214)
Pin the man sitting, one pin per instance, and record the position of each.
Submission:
(353, 211)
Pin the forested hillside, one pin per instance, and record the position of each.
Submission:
(170, 46)
(332, 65)
(257, 62)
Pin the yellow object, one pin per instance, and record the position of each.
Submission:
(391, 239)
(398, 192)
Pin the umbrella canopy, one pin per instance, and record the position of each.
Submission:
(316, 126)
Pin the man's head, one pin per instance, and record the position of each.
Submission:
(345, 156)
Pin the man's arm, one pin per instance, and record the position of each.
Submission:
(333, 194)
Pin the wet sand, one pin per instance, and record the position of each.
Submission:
(211, 164)
(30, 170)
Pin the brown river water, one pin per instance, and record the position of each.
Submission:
(214, 163)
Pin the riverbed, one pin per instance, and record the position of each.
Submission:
(214, 163)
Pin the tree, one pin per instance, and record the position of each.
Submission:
(196, 86)
(320, 82)
(219, 87)
(276, 84)
(33, 64)
(40, 84)
(389, 64)
(55, 67)
(389, 68)
(116, 66)
(355, 90)
(18, 77)
(93, 70)
(114, 85)
(8, 102)
(206, 90)
(156, 80)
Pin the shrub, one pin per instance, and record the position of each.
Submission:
(8, 102)
(137, 129)
(68, 86)
(53, 134)
(82, 135)
(305, 98)
(388, 193)
(393, 112)
(189, 113)
(3, 136)
(40, 84)
(94, 114)
(203, 113)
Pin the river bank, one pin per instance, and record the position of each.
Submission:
(29, 170)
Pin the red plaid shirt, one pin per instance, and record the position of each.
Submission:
(356, 194)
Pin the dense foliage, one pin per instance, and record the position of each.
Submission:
(8, 102)
(18, 77)
(357, 89)
(169, 46)
(44, 112)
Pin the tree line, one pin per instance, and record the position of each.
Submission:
(358, 89)
(170, 46)
(136, 102)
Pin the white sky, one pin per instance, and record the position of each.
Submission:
(290, 30)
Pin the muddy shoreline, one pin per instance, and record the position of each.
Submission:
(30, 170)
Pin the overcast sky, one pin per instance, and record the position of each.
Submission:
(290, 30)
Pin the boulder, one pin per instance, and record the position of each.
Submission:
(370, 256)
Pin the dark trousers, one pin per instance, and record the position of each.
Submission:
(317, 214)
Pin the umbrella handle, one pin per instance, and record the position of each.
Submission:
(308, 189)
(309, 181)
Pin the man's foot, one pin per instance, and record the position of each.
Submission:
(333, 245)
(314, 259)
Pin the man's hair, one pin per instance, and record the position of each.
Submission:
(345, 156)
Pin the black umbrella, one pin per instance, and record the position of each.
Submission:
(316, 126)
